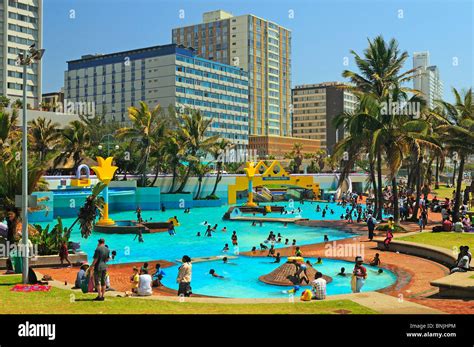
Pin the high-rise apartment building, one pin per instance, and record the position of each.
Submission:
(259, 46)
(427, 78)
(314, 108)
(165, 75)
(20, 27)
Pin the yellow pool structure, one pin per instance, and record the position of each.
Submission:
(261, 175)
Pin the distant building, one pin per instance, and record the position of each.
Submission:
(21, 25)
(51, 101)
(165, 75)
(63, 119)
(314, 108)
(278, 146)
(257, 45)
(427, 78)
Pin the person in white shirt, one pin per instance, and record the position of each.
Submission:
(463, 262)
(144, 284)
(319, 286)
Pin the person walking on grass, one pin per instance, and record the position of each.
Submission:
(184, 277)
(99, 268)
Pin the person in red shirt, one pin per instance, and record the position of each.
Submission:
(360, 274)
(447, 225)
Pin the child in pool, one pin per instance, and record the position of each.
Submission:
(277, 258)
(224, 229)
(326, 238)
(198, 234)
(286, 241)
(226, 248)
(209, 231)
(320, 261)
(214, 228)
(293, 243)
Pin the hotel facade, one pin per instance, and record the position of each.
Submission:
(314, 108)
(165, 75)
(256, 45)
(20, 27)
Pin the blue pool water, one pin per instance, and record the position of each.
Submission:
(241, 278)
(163, 246)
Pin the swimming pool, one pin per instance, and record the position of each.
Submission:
(241, 278)
(163, 246)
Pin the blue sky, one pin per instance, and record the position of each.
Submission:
(323, 31)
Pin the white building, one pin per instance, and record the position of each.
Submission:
(165, 75)
(427, 78)
(20, 26)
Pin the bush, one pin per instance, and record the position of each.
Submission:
(384, 227)
(49, 242)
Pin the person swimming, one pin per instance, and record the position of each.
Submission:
(214, 228)
(326, 238)
(224, 229)
(293, 243)
(213, 273)
(320, 261)
(198, 234)
(342, 272)
(226, 248)
(287, 241)
(208, 231)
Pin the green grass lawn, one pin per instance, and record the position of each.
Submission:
(448, 240)
(444, 192)
(59, 301)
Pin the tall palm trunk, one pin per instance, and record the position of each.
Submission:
(457, 201)
(414, 217)
(379, 186)
(374, 186)
(199, 188)
(437, 173)
(218, 178)
(173, 181)
(185, 180)
(396, 211)
(157, 171)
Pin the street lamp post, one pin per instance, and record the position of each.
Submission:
(25, 59)
(108, 143)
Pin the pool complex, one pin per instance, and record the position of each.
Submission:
(243, 277)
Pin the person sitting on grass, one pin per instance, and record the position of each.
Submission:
(144, 284)
(319, 286)
(447, 224)
(376, 260)
(213, 273)
(80, 275)
(134, 279)
(157, 276)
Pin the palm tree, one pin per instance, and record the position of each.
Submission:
(380, 69)
(44, 136)
(148, 127)
(217, 152)
(9, 133)
(192, 135)
(75, 143)
(457, 133)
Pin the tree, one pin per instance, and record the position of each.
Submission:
(380, 69)
(4, 101)
(75, 144)
(457, 133)
(218, 152)
(44, 136)
(192, 134)
(148, 127)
